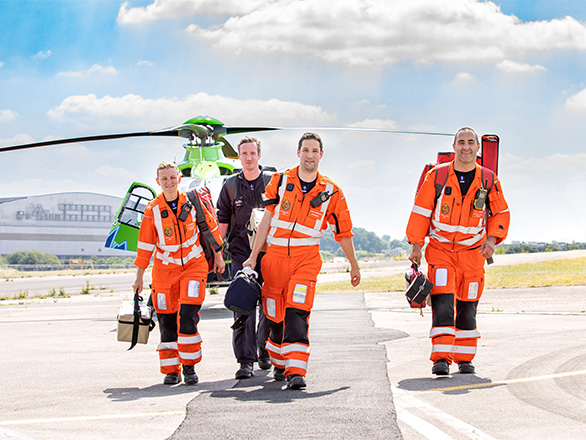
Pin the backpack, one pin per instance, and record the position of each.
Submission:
(207, 239)
(441, 177)
(255, 217)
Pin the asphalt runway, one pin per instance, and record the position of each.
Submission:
(63, 375)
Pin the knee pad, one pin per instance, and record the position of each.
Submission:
(466, 315)
(442, 308)
(168, 326)
(188, 319)
(296, 326)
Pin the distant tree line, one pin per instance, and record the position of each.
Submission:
(525, 248)
(38, 258)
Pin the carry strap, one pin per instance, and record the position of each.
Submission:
(202, 224)
(137, 320)
(441, 177)
(239, 323)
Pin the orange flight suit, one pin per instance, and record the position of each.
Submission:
(456, 230)
(292, 262)
(178, 278)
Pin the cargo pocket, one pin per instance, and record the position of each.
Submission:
(273, 305)
(300, 294)
(193, 291)
(442, 279)
(472, 289)
(161, 300)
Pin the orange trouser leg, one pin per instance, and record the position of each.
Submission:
(288, 294)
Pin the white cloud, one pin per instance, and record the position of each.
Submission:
(464, 77)
(43, 55)
(7, 115)
(375, 32)
(509, 66)
(1, 64)
(96, 68)
(145, 63)
(577, 101)
(173, 9)
(151, 113)
(375, 123)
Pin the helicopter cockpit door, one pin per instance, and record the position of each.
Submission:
(124, 232)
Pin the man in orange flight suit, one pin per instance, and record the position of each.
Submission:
(462, 234)
(300, 204)
(169, 229)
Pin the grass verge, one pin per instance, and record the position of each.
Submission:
(569, 272)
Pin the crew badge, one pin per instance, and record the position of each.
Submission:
(445, 209)
(168, 231)
(286, 205)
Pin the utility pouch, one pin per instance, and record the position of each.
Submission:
(480, 199)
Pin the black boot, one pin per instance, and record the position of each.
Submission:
(189, 375)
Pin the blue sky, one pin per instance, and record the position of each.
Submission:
(512, 68)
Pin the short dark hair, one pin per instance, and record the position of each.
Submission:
(466, 129)
(308, 136)
(249, 140)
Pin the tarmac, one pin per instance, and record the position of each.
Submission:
(64, 376)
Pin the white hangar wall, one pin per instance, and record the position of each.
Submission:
(64, 224)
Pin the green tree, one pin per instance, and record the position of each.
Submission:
(32, 257)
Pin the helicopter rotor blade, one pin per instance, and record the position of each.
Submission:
(227, 149)
(233, 130)
(185, 131)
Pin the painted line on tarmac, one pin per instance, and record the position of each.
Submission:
(405, 401)
(505, 382)
(91, 418)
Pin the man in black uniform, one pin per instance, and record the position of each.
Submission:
(240, 194)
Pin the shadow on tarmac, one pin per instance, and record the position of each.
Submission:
(160, 390)
(263, 388)
(452, 385)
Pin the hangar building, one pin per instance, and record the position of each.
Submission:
(69, 225)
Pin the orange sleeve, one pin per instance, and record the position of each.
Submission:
(497, 225)
(339, 216)
(147, 239)
(270, 197)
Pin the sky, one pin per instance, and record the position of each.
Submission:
(512, 68)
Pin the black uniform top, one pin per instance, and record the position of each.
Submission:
(247, 195)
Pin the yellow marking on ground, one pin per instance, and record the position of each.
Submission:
(504, 382)
(91, 418)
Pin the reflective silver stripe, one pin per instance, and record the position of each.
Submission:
(169, 362)
(161, 233)
(295, 241)
(460, 334)
(190, 356)
(441, 331)
(296, 363)
(277, 210)
(295, 347)
(166, 259)
(167, 346)
(145, 246)
(280, 363)
(469, 242)
(270, 346)
(464, 349)
(189, 339)
(441, 348)
(457, 228)
(315, 233)
(422, 211)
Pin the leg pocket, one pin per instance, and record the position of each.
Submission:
(442, 278)
(193, 291)
(163, 301)
(273, 304)
(472, 288)
(300, 294)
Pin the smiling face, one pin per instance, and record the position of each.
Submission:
(466, 148)
(249, 155)
(309, 154)
(168, 179)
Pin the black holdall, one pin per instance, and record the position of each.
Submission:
(242, 295)
(135, 321)
(418, 288)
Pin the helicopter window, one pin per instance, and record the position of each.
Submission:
(132, 212)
